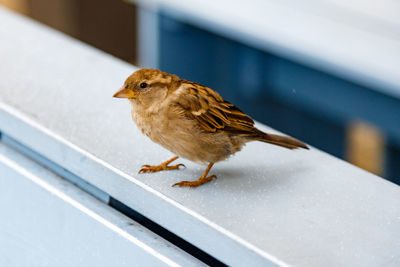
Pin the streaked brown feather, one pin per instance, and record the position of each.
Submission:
(214, 114)
(211, 111)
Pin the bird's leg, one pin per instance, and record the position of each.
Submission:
(202, 180)
(162, 167)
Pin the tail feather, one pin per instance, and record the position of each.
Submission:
(280, 140)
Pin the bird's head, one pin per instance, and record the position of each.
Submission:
(146, 86)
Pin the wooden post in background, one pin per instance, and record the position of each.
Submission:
(366, 147)
(109, 25)
(20, 6)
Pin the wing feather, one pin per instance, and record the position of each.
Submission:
(211, 111)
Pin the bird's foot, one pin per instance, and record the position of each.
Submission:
(198, 182)
(162, 167)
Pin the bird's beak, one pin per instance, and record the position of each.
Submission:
(125, 93)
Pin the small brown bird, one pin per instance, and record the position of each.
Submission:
(190, 120)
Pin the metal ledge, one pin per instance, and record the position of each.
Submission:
(50, 222)
(111, 201)
(269, 206)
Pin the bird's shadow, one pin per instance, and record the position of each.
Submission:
(239, 179)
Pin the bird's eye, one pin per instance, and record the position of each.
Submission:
(143, 85)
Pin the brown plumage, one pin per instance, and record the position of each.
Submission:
(191, 120)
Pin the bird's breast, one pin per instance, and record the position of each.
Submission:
(146, 124)
(184, 138)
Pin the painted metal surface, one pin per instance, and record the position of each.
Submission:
(269, 206)
(148, 43)
(49, 222)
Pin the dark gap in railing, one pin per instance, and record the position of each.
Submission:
(57, 169)
(164, 233)
(112, 202)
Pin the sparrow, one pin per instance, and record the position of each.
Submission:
(191, 120)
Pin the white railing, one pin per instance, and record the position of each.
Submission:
(269, 206)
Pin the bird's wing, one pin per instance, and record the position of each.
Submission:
(211, 111)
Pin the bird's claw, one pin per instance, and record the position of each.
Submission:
(162, 167)
(181, 164)
(198, 182)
